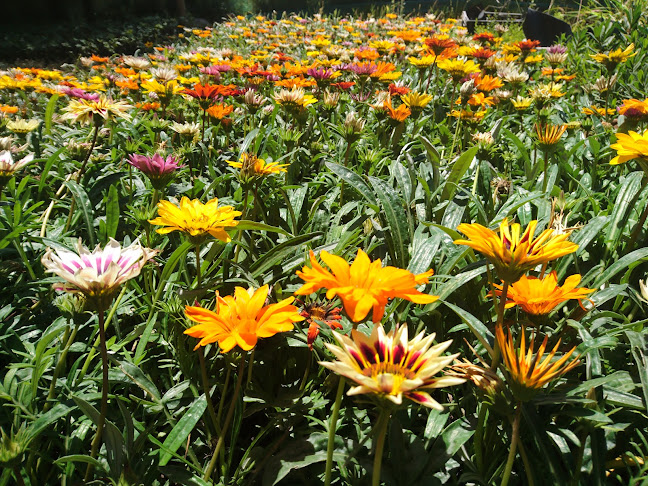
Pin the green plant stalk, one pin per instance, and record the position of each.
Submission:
(454, 139)
(19, 479)
(23, 257)
(207, 389)
(514, 439)
(104, 393)
(479, 438)
(60, 364)
(546, 171)
(198, 275)
(331, 432)
(246, 194)
(221, 405)
(381, 434)
(228, 420)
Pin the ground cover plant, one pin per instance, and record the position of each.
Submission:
(329, 250)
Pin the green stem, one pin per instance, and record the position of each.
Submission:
(243, 216)
(228, 420)
(221, 405)
(500, 321)
(60, 365)
(24, 258)
(331, 432)
(207, 389)
(104, 393)
(454, 139)
(198, 275)
(381, 434)
(19, 479)
(637, 229)
(546, 171)
(514, 439)
(479, 438)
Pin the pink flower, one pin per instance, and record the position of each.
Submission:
(158, 169)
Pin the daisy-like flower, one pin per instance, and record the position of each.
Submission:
(549, 135)
(630, 146)
(219, 111)
(22, 126)
(253, 167)
(521, 103)
(530, 373)
(539, 296)
(196, 219)
(416, 101)
(97, 274)
(612, 59)
(634, 108)
(391, 366)
(319, 312)
(294, 98)
(158, 169)
(240, 320)
(512, 253)
(439, 43)
(8, 167)
(363, 285)
(458, 68)
(87, 110)
(595, 110)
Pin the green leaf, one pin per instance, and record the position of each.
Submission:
(459, 168)
(630, 260)
(638, 343)
(355, 181)
(253, 225)
(622, 206)
(396, 218)
(182, 429)
(49, 112)
(44, 421)
(280, 252)
(138, 377)
(84, 205)
(112, 212)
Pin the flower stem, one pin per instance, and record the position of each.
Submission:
(104, 393)
(69, 339)
(546, 171)
(207, 389)
(198, 275)
(381, 434)
(331, 432)
(479, 438)
(514, 439)
(228, 420)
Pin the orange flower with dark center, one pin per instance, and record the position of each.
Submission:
(316, 313)
(483, 53)
(539, 296)
(527, 46)
(439, 43)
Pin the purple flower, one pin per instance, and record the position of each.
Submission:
(320, 74)
(557, 49)
(158, 169)
(216, 69)
(79, 93)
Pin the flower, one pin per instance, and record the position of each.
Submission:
(416, 101)
(549, 135)
(22, 126)
(539, 296)
(512, 254)
(251, 166)
(521, 103)
(158, 169)
(88, 110)
(363, 285)
(391, 366)
(294, 98)
(241, 319)
(613, 58)
(219, 111)
(439, 43)
(458, 68)
(630, 146)
(316, 312)
(8, 167)
(643, 287)
(196, 219)
(634, 108)
(99, 274)
(529, 373)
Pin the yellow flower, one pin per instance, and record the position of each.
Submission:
(363, 285)
(539, 296)
(458, 68)
(529, 373)
(85, 111)
(549, 135)
(423, 62)
(513, 254)
(240, 320)
(390, 366)
(595, 110)
(613, 58)
(251, 166)
(22, 126)
(630, 146)
(294, 98)
(521, 103)
(415, 100)
(196, 219)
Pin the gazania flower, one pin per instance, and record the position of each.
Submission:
(527, 46)
(196, 219)
(630, 146)
(549, 135)
(513, 254)
(8, 167)
(240, 320)
(634, 108)
(251, 166)
(399, 114)
(319, 312)
(390, 366)
(595, 110)
(614, 58)
(158, 169)
(219, 111)
(363, 285)
(87, 110)
(294, 98)
(439, 43)
(424, 62)
(416, 101)
(530, 373)
(458, 68)
(539, 296)
(97, 274)
(22, 126)
(487, 83)
(205, 94)
(521, 103)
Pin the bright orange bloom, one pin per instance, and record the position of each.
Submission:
(399, 114)
(241, 319)
(439, 43)
(529, 373)
(527, 45)
(219, 111)
(539, 296)
(549, 135)
(634, 108)
(487, 83)
(513, 254)
(363, 285)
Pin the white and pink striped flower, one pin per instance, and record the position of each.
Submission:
(8, 166)
(97, 274)
(391, 367)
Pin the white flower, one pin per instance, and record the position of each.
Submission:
(8, 166)
(643, 286)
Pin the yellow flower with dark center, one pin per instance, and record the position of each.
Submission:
(512, 253)
(539, 296)
(22, 126)
(196, 219)
(363, 285)
(530, 373)
(521, 103)
(595, 110)
(423, 62)
(630, 146)
(392, 367)
(415, 100)
(614, 58)
(549, 135)
(458, 68)
(240, 320)
(86, 111)
(251, 166)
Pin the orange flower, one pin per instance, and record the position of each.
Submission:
(487, 83)
(439, 43)
(241, 319)
(399, 114)
(513, 254)
(634, 108)
(363, 285)
(219, 111)
(539, 296)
